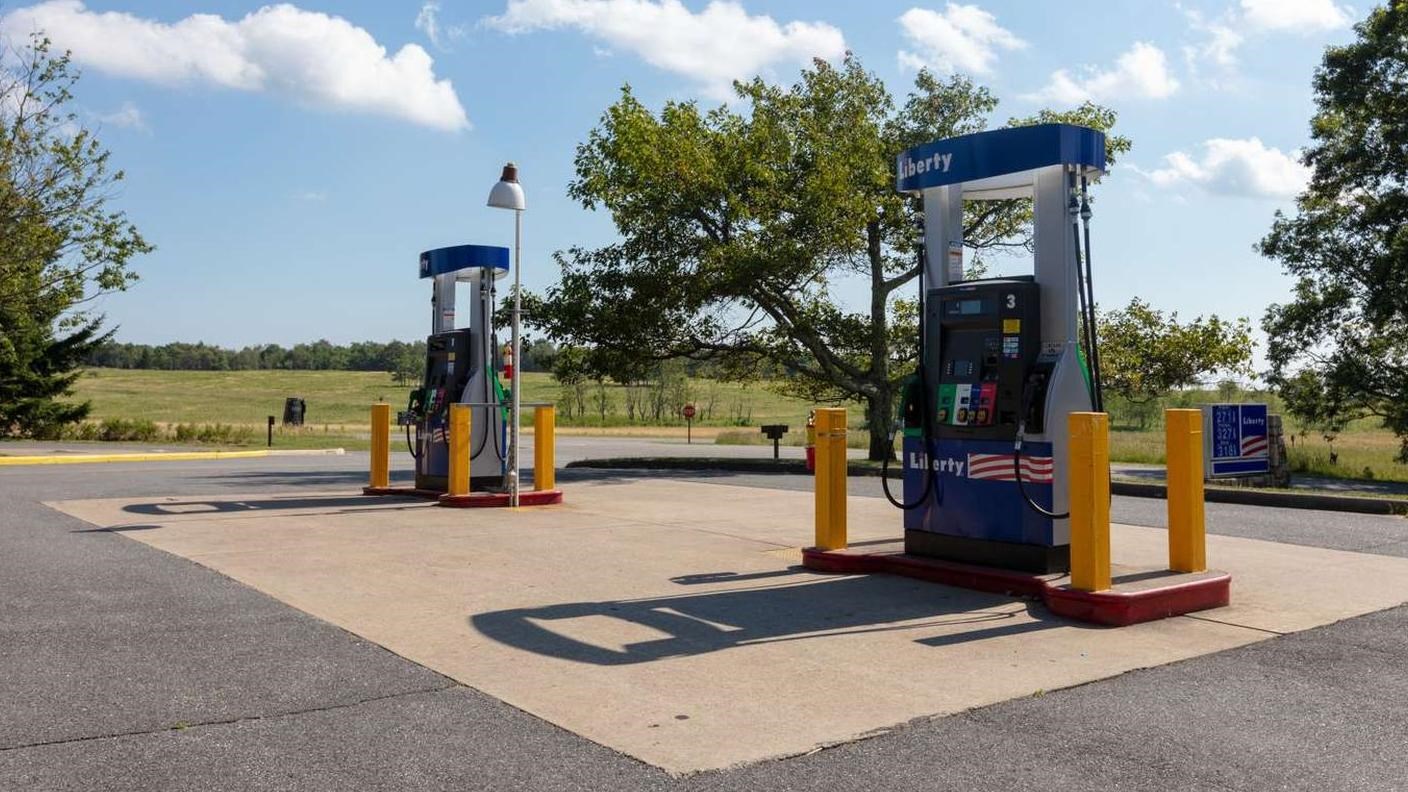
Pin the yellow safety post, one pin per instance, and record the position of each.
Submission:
(458, 483)
(544, 424)
(1187, 536)
(1090, 500)
(831, 478)
(381, 445)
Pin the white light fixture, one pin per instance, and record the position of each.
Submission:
(508, 194)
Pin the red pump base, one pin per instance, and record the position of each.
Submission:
(476, 500)
(472, 500)
(1136, 596)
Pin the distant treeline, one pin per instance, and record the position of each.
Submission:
(396, 357)
(317, 356)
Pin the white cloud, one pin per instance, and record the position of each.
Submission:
(714, 47)
(1221, 39)
(428, 22)
(1245, 168)
(1140, 73)
(128, 116)
(962, 38)
(1297, 15)
(313, 58)
(1221, 36)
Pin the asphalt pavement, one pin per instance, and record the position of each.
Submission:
(122, 667)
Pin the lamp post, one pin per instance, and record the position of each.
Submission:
(508, 194)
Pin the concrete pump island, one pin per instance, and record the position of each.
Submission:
(708, 623)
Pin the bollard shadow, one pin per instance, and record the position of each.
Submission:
(694, 624)
(116, 528)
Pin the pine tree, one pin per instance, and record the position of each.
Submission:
(60, 245)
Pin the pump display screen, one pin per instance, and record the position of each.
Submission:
(966, 307)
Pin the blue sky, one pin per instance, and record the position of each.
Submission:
(290, 162)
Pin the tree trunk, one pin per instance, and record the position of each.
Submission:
(879, 415)
(879, 404)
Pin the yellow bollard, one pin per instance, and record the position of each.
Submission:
(381, 445)
(1090, 500)
(1187, 536)
(544, 424)
(458, 483)
(831, 478)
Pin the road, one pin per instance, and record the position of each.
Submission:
(124, 668)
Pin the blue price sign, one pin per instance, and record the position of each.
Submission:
(1238, 442)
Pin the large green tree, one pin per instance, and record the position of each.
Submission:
(1339, 348)
(1145, 353)
(771, 239)
(60, 244)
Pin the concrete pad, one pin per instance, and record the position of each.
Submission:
(669, 621)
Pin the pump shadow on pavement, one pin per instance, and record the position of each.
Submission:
(200, 506)
(319, 479)
(710, 622)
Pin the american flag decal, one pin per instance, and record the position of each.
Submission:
(998, 467)
(1254, 446)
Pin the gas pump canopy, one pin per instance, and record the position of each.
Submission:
(1000, 163)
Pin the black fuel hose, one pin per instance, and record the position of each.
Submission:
(1022, 485)
(1095, 377)
(924, 409)
(929, 467)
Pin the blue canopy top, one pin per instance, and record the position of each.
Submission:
(999, 162)
(453, 259)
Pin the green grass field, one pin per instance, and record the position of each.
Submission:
(343, 398)
(338, 404)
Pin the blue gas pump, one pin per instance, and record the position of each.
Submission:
(459, 369)
(1004, 360)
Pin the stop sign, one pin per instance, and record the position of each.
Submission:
(688, 412)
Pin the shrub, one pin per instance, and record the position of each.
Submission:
(121, 429)
(218, 434)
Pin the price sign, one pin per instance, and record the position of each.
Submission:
(1236, 441)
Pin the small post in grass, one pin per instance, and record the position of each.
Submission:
(271, 431)
(774, 433)
(688, 413)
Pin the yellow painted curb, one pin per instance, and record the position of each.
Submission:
(174, 456)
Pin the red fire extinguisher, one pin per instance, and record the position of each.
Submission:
(508, 361)
(811, 441)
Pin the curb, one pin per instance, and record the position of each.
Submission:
(1356, 504)
(1285, 500)
(159, 456)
